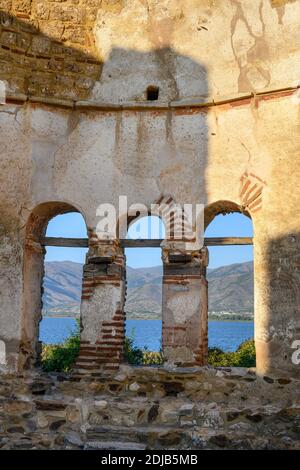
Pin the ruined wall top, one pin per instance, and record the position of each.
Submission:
(112, 50)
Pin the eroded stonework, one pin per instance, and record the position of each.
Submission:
(150, 408)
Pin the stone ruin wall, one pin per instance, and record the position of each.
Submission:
(77, 131)
(146, 408)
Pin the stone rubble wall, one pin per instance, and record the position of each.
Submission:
(150, 408)
(47, 48)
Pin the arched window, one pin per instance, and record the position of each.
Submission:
(143, 306)
(52, 279)
(62, 286)
(230, 287)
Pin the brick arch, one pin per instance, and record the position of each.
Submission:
(167, 201)
(166, 209)
(41, 215)
(225, 207)
(173, 217)
(251, 192)
(222, 207)
(33, 272)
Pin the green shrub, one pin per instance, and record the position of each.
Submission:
(244, 356)
(151, 358)
(218, 358)
(137, 356)
(61, 357)
(132, 354)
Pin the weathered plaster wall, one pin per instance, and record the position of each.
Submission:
(232, 134)
(184, 309)
(197, 157)
(102, 48)
(61, 150)
(196, 48)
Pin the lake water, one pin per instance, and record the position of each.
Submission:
(225, 335)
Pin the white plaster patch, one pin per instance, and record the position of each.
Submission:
(184, 304)
(2, 353)
(48, 124)
(101, 307)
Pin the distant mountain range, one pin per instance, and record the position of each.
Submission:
(62, 287)
(230, 291)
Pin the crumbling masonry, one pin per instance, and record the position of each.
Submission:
(79, 127)
(184, 101)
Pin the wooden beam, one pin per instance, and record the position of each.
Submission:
(83, 242)
(142, 243)
(65, 242)
(219, 241)
(223, 241)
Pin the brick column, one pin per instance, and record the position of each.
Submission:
(184, 306)
(102, 309)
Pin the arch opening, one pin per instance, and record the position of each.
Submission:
(230, 277)
(143, 303)
(52, 283)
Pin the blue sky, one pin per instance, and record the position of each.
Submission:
(73, 225)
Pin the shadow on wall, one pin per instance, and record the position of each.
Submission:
(47, 68)
(281, 326)
(40, 65)
(134, 73)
